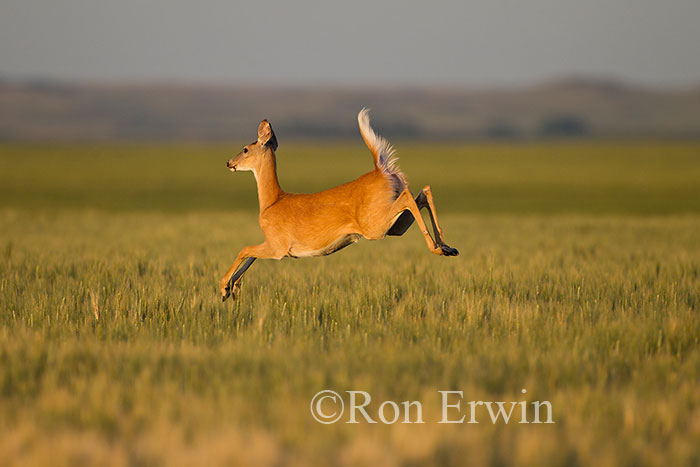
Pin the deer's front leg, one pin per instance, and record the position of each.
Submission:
(231, 282)
(225, 285)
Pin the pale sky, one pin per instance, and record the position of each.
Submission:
(478, 42)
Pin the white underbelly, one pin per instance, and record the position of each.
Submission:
(300, 251)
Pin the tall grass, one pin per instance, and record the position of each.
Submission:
(115, 349)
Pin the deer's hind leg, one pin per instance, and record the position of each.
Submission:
(405, 220)
(404, 206)
(402, 224)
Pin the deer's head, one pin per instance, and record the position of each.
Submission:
(253, 155)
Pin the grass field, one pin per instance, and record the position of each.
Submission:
(578, 280)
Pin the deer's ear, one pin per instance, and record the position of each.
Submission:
(266, 135)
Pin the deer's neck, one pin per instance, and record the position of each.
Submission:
(268, 186)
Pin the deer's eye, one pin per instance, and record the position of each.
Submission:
(245, 150)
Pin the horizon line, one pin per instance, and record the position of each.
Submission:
(561, 79)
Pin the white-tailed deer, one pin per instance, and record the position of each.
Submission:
(373, 206)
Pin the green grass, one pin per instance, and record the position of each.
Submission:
(635, 178)
(579, 280)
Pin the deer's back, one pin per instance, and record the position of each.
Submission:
(317, 219)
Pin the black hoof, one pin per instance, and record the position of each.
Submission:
(226, 294)
(449, 251)
(232, 290)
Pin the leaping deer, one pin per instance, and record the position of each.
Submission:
(375, 205)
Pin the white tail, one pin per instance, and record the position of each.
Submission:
(383, 152)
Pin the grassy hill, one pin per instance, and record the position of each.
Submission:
(49, 111)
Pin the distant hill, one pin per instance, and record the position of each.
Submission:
(54, 111)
